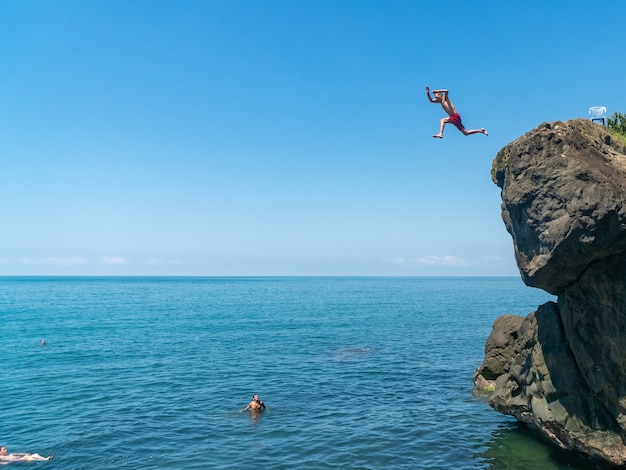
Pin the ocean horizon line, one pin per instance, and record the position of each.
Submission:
(249, 276)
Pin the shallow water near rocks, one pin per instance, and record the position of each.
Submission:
(364, 373)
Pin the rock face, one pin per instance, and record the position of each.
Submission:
(562, 369)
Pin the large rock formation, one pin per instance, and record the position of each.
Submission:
(562, 369)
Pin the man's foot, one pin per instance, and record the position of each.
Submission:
(437, 136)
(485, 132)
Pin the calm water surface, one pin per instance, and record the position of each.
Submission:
(362, 373)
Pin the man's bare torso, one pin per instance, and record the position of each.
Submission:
(447, 105)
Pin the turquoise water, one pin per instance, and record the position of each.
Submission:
(363, 373)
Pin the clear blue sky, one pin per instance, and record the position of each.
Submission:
(262, 137)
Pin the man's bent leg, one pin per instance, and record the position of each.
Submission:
(443, 123)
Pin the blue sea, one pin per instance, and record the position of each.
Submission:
(356, 373)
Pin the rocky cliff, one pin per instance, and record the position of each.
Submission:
(562, 369)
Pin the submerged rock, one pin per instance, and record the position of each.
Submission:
(562, 369)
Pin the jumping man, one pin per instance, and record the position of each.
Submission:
(441, 96)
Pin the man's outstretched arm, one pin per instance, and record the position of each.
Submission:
(430, 98)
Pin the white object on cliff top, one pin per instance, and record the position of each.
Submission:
(597, 113)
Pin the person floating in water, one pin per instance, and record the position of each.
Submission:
(20, 457)
(256, 405)
(441, 97)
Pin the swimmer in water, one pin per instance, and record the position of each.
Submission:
(20, 456)
(255, 405)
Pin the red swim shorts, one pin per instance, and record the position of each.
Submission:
(456, 120)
